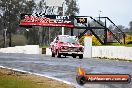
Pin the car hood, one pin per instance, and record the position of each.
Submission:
(71, 45)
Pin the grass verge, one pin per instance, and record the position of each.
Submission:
(13, 79)
(44, 46)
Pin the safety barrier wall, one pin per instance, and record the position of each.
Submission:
(27, 49)
(120, 52)
(48, 51)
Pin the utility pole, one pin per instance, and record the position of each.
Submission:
(5, 30)
(99, 14)
(72, 29)
(63, 13)
(10, 40)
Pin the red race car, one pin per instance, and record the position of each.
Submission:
(67, 46)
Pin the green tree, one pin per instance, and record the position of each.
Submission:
(44, 31)
(72, 7)
(11, 10)
(121, 27)
(111, 27)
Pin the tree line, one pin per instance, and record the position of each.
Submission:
(10, 11)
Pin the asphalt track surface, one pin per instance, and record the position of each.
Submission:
(65, 68)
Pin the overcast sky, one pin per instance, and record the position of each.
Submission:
(119, 11)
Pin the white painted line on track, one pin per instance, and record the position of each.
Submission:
(57, 79)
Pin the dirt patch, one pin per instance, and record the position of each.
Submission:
(36, 79)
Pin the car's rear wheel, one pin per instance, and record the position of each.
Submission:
(58, 54)
(74, 56)
(53, 55)
(81, 56)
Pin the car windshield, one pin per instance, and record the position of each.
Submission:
(65, 39)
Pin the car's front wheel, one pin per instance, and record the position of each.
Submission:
(58, 54)
(81, 56)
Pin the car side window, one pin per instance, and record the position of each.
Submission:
(54, 40)
(57, 38)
